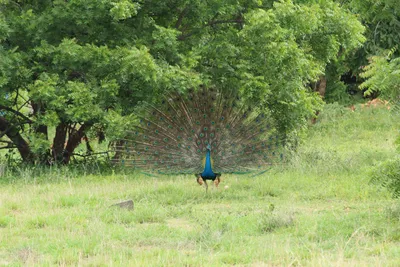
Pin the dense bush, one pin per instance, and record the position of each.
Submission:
(383, 76)
(388, 175)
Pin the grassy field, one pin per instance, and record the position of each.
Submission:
(319, 210)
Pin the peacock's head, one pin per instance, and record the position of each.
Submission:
(209, 147)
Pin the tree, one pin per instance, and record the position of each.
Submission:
(67, 66)
(71, 68)
(381, 49)
(382, 22)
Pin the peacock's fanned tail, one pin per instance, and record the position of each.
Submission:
(172, 136)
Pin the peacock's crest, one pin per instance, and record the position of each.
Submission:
(173, 135)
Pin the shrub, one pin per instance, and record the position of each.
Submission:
(388, 175)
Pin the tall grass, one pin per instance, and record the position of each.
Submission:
(318, 210)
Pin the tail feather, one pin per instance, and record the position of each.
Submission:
(173, 135)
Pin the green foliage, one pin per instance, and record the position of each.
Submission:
(383, 76)
(342, 80)
(72, 67)
(387, 174)
(336, 91)
(279, 50)
(123, 10)
(382, 27)
(383, 20)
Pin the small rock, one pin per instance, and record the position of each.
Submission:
(127, 204)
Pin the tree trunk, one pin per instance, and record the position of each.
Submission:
(74, 140)
(118, 153)
(320, 87)
(39, 110)
(59, 142)
(13, 134)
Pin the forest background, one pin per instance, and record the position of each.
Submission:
(72, 72)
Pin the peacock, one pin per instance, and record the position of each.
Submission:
(205, 132)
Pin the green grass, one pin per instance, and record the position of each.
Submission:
(319, 210)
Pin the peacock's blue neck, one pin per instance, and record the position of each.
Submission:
(208, 173)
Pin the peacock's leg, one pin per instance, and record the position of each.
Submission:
(199, 180)
(217, 180)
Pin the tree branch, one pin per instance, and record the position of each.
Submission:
(215, 22)
(91, 154)
(211, 23)
(38, 109)
(13, 134)
(181, 16)
(8, 147)
(74, 140)
(16, 112)
(6, 142)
